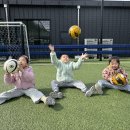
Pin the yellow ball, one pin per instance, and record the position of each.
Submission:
(119, 79)
(74, 31)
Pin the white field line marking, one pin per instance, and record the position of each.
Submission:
(41, 64)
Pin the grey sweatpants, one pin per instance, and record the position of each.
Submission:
(33, 93)
(78, 84)
(106, 84)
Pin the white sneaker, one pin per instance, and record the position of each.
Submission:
(56, 94)
(94, 90)
(49, 101)
(91, 91)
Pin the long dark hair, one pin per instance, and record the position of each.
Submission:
(114, 58)
(26, 58)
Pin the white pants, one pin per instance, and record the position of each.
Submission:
(33, 93)
(78, 84)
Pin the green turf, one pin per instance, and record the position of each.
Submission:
(75, 111)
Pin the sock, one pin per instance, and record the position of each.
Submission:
(43, 98)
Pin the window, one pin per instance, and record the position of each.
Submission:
(38, 31)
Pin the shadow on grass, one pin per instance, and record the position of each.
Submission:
(57, 107)
(11, 100)
(127, 92)
(45, 91)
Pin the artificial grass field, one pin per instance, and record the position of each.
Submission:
(75, 111)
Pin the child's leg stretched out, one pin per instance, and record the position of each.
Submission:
(97, 88)
(10, 94)
(55, 87)
(78, 84)
(37, 96)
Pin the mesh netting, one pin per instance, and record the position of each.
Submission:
(13, 39)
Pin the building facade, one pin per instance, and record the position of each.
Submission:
(48, 21)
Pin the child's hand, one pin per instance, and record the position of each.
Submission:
(6, 73)
(51, 47)
(111, 81)
(84, 56)
(20, 68)
(126, 79)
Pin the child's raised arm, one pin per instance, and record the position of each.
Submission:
(51, 47)
(53, 56)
